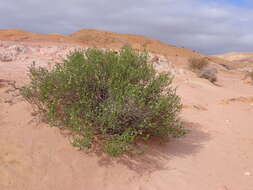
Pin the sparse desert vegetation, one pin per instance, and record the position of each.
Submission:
(209, 74)
(200, 65)
(197, 64)
(34, 155)
(116, 98)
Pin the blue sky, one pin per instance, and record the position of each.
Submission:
(239, 3)
(243, 3)
(207, 26)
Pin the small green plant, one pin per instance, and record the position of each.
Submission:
(106, 99)
(198, 64)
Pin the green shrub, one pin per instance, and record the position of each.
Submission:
(106, 99)
(198, 64)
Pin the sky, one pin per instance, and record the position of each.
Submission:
(207, 26)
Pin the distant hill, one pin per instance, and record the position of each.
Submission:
(21, 35)
(114, 40)
(106, 39)
(238, 59)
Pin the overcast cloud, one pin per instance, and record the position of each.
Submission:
(214, 26)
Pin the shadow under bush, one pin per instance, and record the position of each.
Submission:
(106, 99)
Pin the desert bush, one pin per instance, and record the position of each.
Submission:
(201, 67)
(209, 74)
(106, 99)
(198, 64)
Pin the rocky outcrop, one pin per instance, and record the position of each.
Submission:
(11, 53)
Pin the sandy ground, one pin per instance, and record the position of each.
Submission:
(216, 154)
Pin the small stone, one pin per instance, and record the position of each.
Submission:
(247, 174)
(77, 148)
(155, 59)
(34, 113)
(8, 101)
(5, 58)
(65, 132)
(18, 49)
